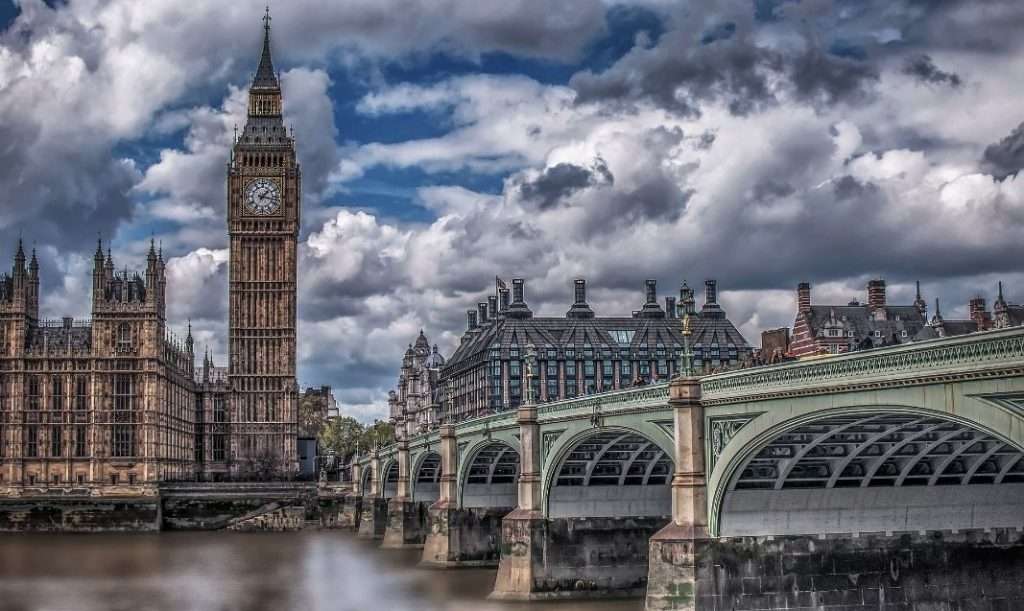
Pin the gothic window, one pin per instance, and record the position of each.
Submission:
(34, 395)
(81, 393)
(57, 393)
(218, 447)
(123, 431)
(220, 412)
(3, 339)
(80, 433)
(124, 337)
(662, 369)
(56, 441)
(32, 441)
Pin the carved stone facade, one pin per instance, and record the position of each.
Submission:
(97, 407)
(419, 400)
(264, 187)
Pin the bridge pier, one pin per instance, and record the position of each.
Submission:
(352, 501)
(544, 558)
(373, 509)
(406, 519)
(458, 536)
(676, 550)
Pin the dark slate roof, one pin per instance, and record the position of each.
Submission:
(860, 320)
(639, 336)
(946, 328)
(1016, 314)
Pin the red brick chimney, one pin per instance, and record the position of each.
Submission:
(979, 315)
(876, 294)
(803, 297)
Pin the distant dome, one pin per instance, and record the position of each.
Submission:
(435, 360)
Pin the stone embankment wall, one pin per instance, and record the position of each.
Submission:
(242, 507)
(80, 514)
(934, 571)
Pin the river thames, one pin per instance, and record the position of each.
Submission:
(307, 571)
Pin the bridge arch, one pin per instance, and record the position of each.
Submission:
(426, 477)
(489, 475)
(869, 468)
(612, 471)
(389, 479)
(365, 478)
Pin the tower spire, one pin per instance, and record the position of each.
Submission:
(266, 77)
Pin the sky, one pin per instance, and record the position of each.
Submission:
(444, 142)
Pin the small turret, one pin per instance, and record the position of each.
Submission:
(920, 303)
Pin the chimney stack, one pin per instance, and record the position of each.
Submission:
(518, 290)
(651, 308)
(580, 291)
(579, 308)
(670, 307)
(503, 300)
(471, 320)
(803, 297)
(518, 307)
(492, 307)
(652, 292)
(979, 314)
(876, 294)
(710, 292)
(481, 313)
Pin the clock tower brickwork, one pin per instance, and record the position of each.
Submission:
(263, 203)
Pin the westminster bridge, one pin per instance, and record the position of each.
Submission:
(883, 479)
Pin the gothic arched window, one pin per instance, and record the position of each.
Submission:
(124, 337)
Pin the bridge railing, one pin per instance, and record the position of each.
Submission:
(984, 353)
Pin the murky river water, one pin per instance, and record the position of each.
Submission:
(309, 571)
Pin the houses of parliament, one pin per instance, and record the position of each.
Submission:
(116, 405)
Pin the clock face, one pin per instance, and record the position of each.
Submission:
(262, 196)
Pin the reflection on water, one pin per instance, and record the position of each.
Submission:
(308, 571)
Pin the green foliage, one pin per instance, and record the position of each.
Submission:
(380, 433)
(342, 435)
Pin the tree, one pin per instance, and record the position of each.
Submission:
(312, 413)
(341, 435)
(379, 433)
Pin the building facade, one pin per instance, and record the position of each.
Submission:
(580, 353)
(104, 405)
(417, 403)
(834, 329)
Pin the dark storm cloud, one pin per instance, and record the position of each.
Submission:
(827, 79)
(922, 67)
(562, 180)
(680, 74)
(47, 183)
(679, 77)
(1006, 156)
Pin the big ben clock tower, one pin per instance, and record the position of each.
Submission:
(264, 187)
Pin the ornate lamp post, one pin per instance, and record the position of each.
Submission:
(686, 358)
(528, 366)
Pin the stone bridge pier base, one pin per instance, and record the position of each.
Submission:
(351, 510)
(544, 558)
(373, 510)
(676, 550)
(456, 536)
(406, 519)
